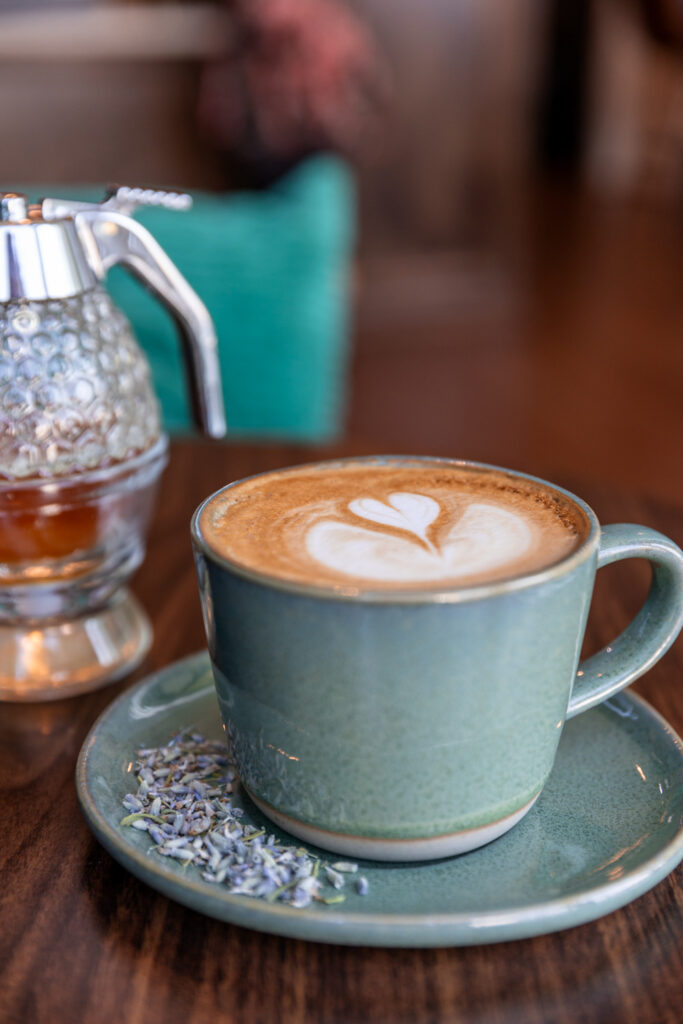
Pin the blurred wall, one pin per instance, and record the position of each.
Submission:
(99, 93)
(459, 133)
(112, 95)
(99, 121)
(634, 137)
(444, 170)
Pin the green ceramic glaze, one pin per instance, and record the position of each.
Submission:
(416, 716)
(576, 855)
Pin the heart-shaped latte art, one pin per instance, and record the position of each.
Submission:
(485, 537)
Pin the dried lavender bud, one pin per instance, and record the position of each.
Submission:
(183, 804)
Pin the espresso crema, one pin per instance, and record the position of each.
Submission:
(383, 524)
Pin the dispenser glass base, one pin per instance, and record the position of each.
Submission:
(66, 658)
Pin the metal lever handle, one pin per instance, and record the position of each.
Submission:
(109, 236)
(125, 198)
(119, 199)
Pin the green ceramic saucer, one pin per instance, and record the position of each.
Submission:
(607, 827)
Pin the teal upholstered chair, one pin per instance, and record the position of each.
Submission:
(273, 269)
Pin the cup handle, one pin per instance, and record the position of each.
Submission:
(654, 628)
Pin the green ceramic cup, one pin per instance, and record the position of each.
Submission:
(403, 725)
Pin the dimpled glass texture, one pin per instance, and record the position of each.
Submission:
(75, 389)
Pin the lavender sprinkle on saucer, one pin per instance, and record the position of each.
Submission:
(183, 804)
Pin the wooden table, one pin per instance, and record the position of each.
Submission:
(82, 941)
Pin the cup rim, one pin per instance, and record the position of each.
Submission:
(429, 595)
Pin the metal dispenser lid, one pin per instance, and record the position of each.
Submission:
(39, 258)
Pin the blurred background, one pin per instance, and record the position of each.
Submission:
(448, 226)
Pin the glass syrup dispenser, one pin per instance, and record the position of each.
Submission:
(81, 444)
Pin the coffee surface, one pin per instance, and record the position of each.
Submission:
(379, 525)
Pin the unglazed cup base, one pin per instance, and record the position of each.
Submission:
(369, 848)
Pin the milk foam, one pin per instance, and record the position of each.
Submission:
(392, 524)
(484, 538)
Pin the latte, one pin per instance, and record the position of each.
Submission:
(378, 524)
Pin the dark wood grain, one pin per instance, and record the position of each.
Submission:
(81, 940)
(566, 356)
